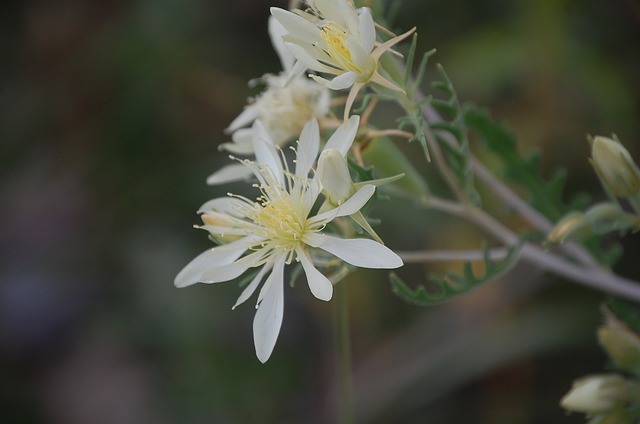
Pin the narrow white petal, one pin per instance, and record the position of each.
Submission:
(297, 25)
(248, 291)
(343, 137)
(308, 147)
(349, 207)
(265, 150)
(367, 29)
(230, 271)
(276, 31)
(212, 258)
(359, 252)
(304, 56)
(229, 173)
(268, 318)
(343, 81)
(247, 116)
(227, 205)
(319, 285)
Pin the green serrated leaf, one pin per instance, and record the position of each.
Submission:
(453, 285)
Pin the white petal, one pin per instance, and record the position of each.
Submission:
(248, 291)
(296, 25)
(265, 150)
(227, 205)
(367, 29)
(229, 173)
(319, 285)
(276, 31)
(362, 253)
(248, 115)
(351, 206)
(343, 81)
(304, 56)
(230, 271)
(308, 146)
(343, 137)
(212, 258)
(268, 318)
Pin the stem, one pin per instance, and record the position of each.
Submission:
(343, 355)
(452, 255)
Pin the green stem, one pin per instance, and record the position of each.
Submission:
(343, 354)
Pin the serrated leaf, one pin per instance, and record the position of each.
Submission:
(453, 285)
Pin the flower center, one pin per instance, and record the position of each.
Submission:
(334, 38)
(281, 222)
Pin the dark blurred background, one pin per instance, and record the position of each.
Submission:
(110, 117)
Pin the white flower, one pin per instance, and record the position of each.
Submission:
(286, 104)
(280, 227)
(596, 394)
(335, 38)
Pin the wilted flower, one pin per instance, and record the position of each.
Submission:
(334, 38)
(286, 104)
(280, 227)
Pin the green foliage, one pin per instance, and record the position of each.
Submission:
(545, 196)
(453, 123)
(453, 285)
(626, 311)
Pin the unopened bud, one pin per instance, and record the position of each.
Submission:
(621, 343)
(574, 225)
(596, 394)
(615, 167)
(333, 172)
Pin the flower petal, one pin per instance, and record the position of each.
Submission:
(308, 146)
(359, 252)
(343, 137)
(351, 206)
(268, 318)
(213, 258)
(304, 56)
(229, 173)
(295, 24)
(319, 285)
(367, 29)
(219, 274)
(276, 31)
(266, 152)
(343, 81)
(247, 116)
(248, 291)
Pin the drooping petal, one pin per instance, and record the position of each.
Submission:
(319, 285)
(343, 137)
(212, 258)
(359, 252)
(308, 147)
(367, 29)
(268, 318)
(229, 173)
(309, 61)
(349, 207)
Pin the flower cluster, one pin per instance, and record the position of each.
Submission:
(307, 211)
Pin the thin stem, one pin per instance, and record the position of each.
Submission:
(452, 255)
(343, 355)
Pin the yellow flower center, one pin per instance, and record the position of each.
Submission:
(281, 222)
(334, 38)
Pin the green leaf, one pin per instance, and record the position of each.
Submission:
(457, 154)
(452, 285)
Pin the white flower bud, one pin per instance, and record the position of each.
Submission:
(615, 167)
(596, 394)
(333, 172)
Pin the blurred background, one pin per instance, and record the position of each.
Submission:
(110, 117)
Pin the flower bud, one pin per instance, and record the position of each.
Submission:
(615, 167)
(596, 394)
(333, 172)
(574, 225)
(621, 343)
